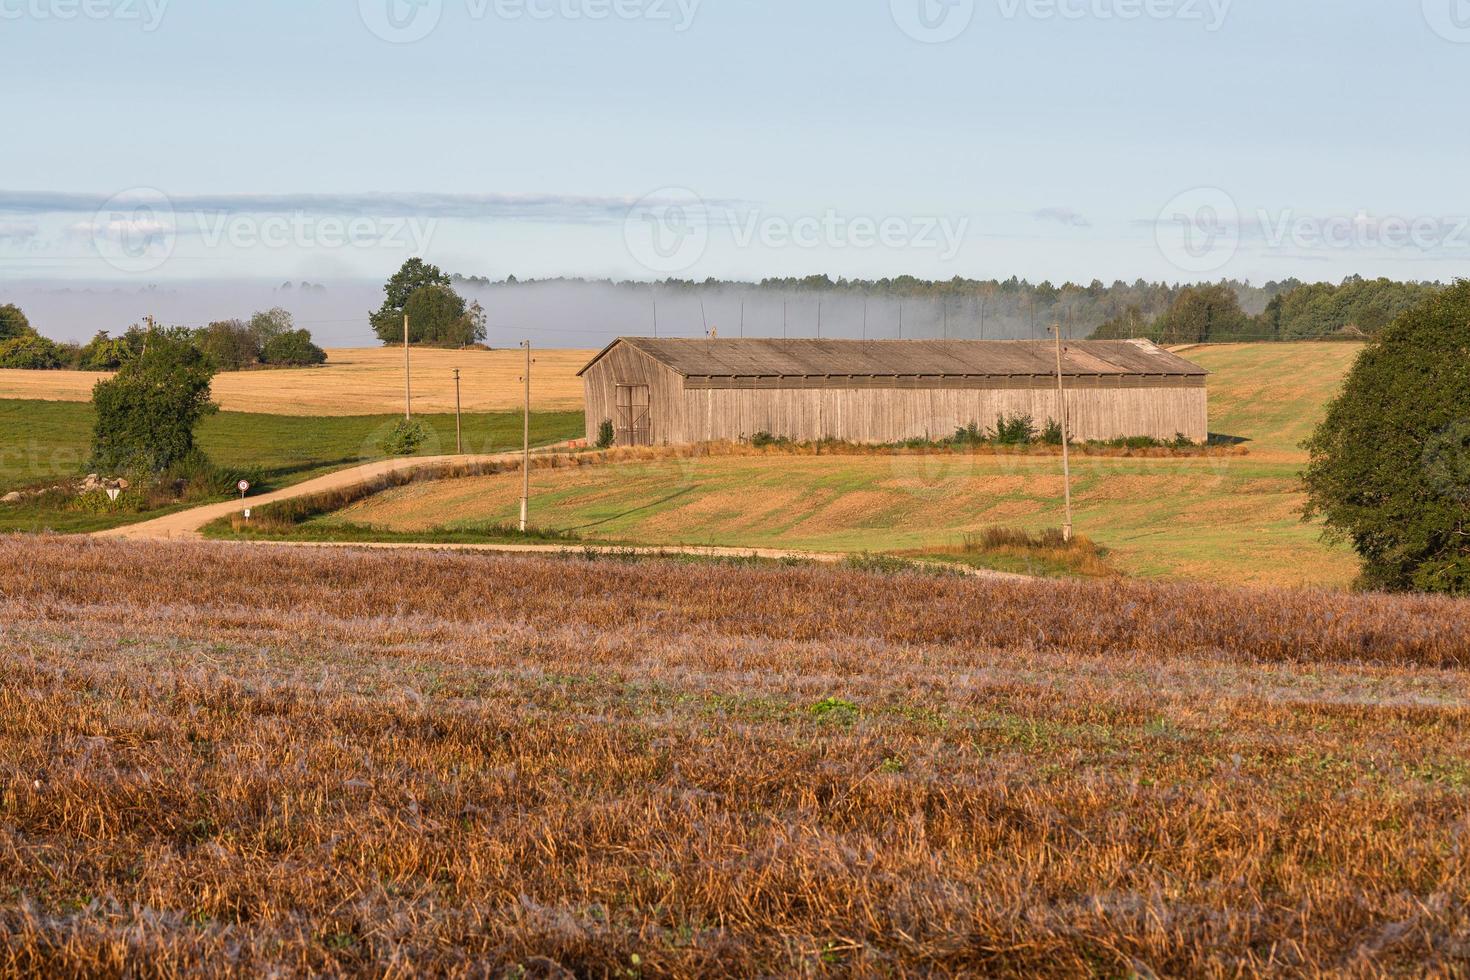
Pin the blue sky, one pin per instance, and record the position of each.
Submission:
(1061, 139)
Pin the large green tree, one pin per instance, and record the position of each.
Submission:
(439, 317)
(414, 275)
(1203, 313)
(13, 323)
(1390, 463)
(146, 413)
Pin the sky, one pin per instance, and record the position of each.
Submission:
(155, 143)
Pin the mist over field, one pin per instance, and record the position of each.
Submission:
(551, 313)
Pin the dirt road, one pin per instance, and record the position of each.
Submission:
(185, 525)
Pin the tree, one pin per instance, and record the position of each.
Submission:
(438, 316)
(293, 349)
(1390, 463)
(146, 414)
(104, 353)
(1203, 313)
(29, 351)
(13, 323)
(414, 275)
(270, 324)
(231, 344)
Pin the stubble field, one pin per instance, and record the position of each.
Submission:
(362, 381)
(241, 761)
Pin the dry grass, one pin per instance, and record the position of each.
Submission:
(362, 381)
(236, 761)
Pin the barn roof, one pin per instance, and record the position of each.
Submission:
(906, 358)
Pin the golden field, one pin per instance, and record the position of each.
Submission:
(237, 761)
(361, 381)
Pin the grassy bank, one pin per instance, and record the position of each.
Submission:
(43, 442)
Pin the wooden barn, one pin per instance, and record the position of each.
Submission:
(659, 392)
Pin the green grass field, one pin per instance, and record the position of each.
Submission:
(43, 442)
(1221, 518)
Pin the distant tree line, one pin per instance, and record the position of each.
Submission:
(1356, 309)
(267, 339)
(1172, 313)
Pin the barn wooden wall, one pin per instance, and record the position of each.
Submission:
(625, 364)
(895, 414)
(684, 413)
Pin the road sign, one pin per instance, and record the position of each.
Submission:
(112, 493)
(247, 513)
(244, 486)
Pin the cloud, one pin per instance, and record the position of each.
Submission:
(548, 208)
(1065, 216)
(19, 232)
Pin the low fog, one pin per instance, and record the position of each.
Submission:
(551, 314)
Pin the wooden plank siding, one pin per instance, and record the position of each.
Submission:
(859, 407)
(895, 414)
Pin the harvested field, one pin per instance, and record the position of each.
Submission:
(362, 381)
(237, 760)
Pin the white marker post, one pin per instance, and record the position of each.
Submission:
(244, 487)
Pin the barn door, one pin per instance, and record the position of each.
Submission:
(633, 425)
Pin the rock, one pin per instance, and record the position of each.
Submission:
(121, 484)
(12, 497)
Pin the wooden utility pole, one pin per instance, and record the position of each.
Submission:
(783, 319)
(865, 318)
(900, 320)
(704, 319)
(458, 427)
(742, 319)
(407, 384)
(654, 297)
(819, 319)
(526, 447)
(1066, 450)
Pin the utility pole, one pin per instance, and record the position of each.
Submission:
(865, 318)
(742, 319)
(407, 383)
(819, 319)
(946, 317)
(783, 319)
(526, 447)
(900, 319)
(704, 318)
(458, 428)
(654, 296)
(1066, 451)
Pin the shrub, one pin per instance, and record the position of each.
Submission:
(763, 440)
(293, 348)
(1018, 430)
(146, 414)
(104, 353)
(1390, 463)
(969, 435)
(605, 434)
(30, 352)
(405, 438)
(230, 344)
(836, 710)
(1051, 433)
